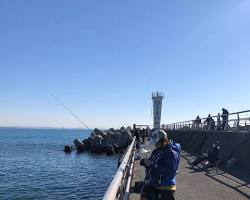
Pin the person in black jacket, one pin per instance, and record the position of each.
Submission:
(197, 122)
(224, 117)
(212, 156)
(208, 122)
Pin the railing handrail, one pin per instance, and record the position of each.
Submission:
(113, 188)
(232, 122)
(204, 118)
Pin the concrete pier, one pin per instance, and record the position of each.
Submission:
(201, 184)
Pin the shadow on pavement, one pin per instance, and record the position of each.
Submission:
(234, 178)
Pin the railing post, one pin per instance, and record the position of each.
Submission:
(238, 122)
(226, 125)
(249, 126)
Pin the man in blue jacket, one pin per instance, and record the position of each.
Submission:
(161, 169)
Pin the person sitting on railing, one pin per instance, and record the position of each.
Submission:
(212, 157)
(161, 169)
(224, 117)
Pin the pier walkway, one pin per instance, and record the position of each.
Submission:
(200, 184)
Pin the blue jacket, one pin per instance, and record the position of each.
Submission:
(165, 163)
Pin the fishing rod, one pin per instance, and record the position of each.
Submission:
(66, 108)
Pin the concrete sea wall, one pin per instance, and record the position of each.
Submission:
(233, 144)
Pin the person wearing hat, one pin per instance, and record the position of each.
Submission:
(161, 168)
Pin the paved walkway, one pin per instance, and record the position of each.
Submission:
(197, 184)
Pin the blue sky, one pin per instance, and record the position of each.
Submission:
(104, 58)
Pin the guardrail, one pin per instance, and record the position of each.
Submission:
(237, 121)
(120, 185)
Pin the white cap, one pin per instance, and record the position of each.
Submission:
(158, 135)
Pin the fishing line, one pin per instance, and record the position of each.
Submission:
(66, 108)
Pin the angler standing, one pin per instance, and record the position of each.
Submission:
(161, 169)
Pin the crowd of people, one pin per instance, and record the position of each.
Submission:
(210, 124)
(140, 134)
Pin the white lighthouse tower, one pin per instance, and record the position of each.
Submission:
(157, 104)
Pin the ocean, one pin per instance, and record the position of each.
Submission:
(33, 165)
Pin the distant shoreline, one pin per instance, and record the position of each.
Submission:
(22, 127)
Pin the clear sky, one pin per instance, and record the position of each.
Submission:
(103, 58)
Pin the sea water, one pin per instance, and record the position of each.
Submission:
(33, 165)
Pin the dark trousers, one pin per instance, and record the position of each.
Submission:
(151, 193)
(212, 161)
(199, 159)
(165, 195)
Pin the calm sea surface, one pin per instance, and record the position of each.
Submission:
(34, 166)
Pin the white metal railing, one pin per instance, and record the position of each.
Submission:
(237, 121)
(129, 180)
(120, 185)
